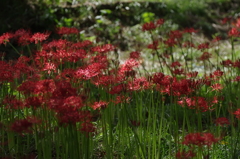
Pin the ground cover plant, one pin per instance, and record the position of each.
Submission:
(74, 98)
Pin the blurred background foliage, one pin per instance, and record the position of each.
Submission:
(114, 21)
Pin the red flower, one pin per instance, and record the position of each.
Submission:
(24, 125)
(158, 77)
(103, 49)
(148, 26)
(160, 22)
(121, 99)
(170, 42)
(118, 89)
(178, 71)
(192, 74)
(138, 84)
(198, 103)
(176, 34)
(5, 38)
(218, 73)
(227, 63)
(175, 64)
(11, 102)
(237, 24)
(24, 36)
(74, 102)
(203, 46)
(237, 113)
(153, 46)
(233, 32)
(99, 105)
(34, 102)
(135, 55)
(225, 20)
(190, 30)
(217, 87)
(199, 139)
(237, 79)
(39, 37)
(82, 44)
(217, 38)
(222, 121)
(205, 56)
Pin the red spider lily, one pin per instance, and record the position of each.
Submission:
(200, 139)
(118, 89)
(190, 30)
(227, 63)
(39, 37)
(222, 121)
(67, 31)
(56, 44)
(82, 44)
(5, 38)
(103, 49)
(103, 80)
(24, 125)
(33, 102)
(157, 78)
(6, 72)
(217, 87)
(237, 79)
(49, 67)
(237, 23)
(138, 84)
(175, 64)
(160, 22)
(192, 74)
(237, 64)
(216, 39)
(153, 46)
(170, 42)
(148, 26)
(44, 86)
(128, 66)
(24, 37)
(225, 20)
(121, 99)
(237, 113)
(64, 89)
(176, 34)
(203, 46)
(233, 32)
(76, 55)
(99, 59)
(205, 56)
(185, 154)
(11, 102)
(135, 55)
(27, 87)
(178, 71)
(72, 101)
(198, 103)
(218, 73)
(99, 105)
(90, 71)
